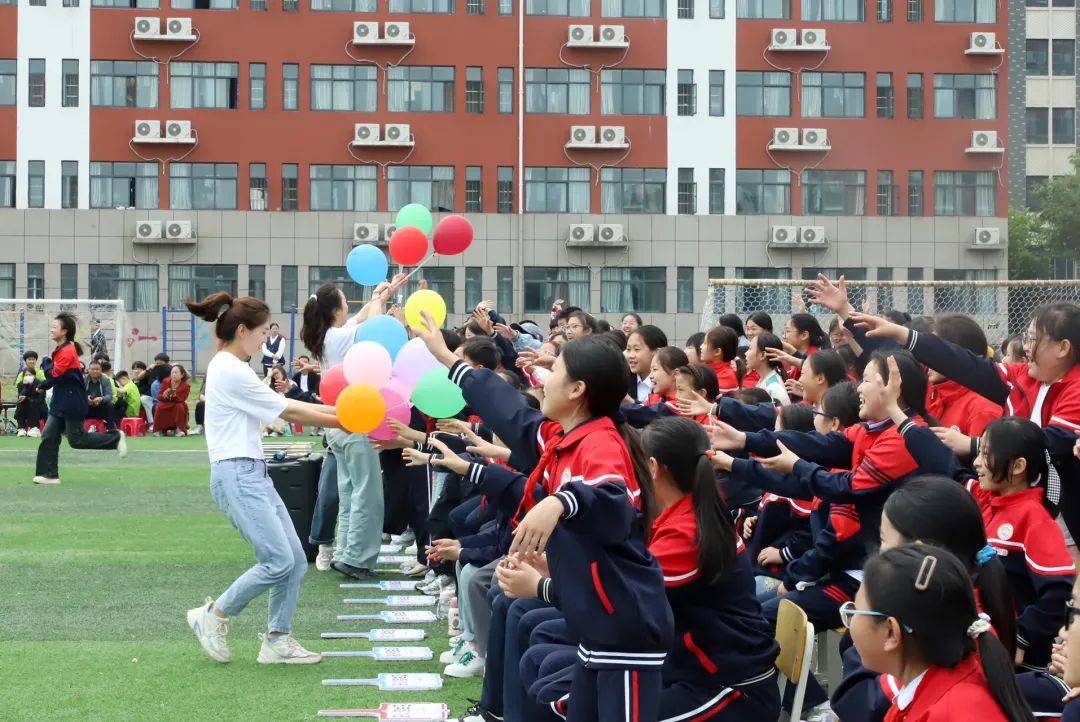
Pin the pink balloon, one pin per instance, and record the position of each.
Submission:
(331, 384)
(367, 363)
(401, 388)
(413, 361)
(397, 407)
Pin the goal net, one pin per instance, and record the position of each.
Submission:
(24, 326)
(1002, 308)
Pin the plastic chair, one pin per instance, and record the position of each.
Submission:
(93, 425)
(795, 635)
(133, 426)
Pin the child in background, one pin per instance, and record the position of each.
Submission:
(693, 347)
(804, 335)
(128, 403)
(29, 396)
(770, 374)
(719, 351)
(640, 347)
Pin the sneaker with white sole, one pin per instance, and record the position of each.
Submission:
(121, 446)
(34, 433)
(211, 631)
(469, 665)
(403, 540)
(22, 432)
(284, 649)
(326, 555)
(454, 653)
(46, 480)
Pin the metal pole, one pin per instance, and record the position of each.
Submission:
(292, 336)
(164, 331)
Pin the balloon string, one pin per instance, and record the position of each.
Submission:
(419, 266)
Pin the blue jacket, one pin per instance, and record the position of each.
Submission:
(65, 378)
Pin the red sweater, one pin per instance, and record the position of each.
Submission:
(961, 408)
(725, 376)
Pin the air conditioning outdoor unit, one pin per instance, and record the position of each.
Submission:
(179, 230)
(813, 38)
(581, 234)
(397, 134)
(613, 135)
(178, 28)
(612, 35)
(815, 138)
(178, 130)
(396, 32)
(147, 27)
(984, 141)
(365, 33)
(365, 233)
(783, 235)
(987, 237)
(388, 230)
(783, 39)
(582, 135)
(785, 138)
(611, 234)
(983, 43)
(147, 129)
(579, 35)
(147, 230)
(366, 133)
(812, 235)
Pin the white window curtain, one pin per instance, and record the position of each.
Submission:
(985, 194)
(180, 194)
(364, 194)
(985, 97)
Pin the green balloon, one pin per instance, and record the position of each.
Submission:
(416, 215)
(437, 396)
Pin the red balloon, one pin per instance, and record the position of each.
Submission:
(453, 235)
(331, 384)
(408, 246)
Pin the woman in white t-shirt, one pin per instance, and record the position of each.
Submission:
(770, 372)
(237, 402)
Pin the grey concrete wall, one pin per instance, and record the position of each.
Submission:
(1016, 55)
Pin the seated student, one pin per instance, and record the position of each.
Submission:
(804, 335)
(99, 392)
(306, 379)
(720, 351)
(128, 401)
(29, 396)
(171, 411)
(277, 379)
(690, 380)
(1070, 656)
(758, 322)
(916, 618)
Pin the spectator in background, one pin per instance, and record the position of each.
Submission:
(146, 380)
(99, 392)
(127, 401)
(630, 322)
(30, 397)
(273, 349)
(98, 345)
(171, 411)
(279, 381)
(304, 384)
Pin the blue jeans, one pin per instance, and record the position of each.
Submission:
(360, 499)
(246, 495)
(326, 503)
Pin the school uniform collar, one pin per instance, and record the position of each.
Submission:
(682, 507)
(906, 695)
(935, 682)
(875, 426)
(947, 391)
(579, 432)
(1027, 496)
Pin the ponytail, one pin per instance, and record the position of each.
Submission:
(997, 666)
(318, 317)
(767, 339)
(815, 336)
(995, 595)
(67, 320)
(228, 313)
(632, 439)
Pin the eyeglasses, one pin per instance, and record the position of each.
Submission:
(819, 412)
(848, 612)
(1071, 612)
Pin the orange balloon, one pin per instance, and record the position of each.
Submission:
(360, 408)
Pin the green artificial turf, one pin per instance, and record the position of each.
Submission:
(97, 573)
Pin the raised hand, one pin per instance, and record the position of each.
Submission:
(726, 437)
(435, 342)
(535, 528)
(878, 327)
(448, 460)
(783, 462)
(693, 404)
(832, 296)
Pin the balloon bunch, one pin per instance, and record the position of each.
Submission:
(385, 373)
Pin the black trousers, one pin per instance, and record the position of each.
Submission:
(29, 412)
(49, 449)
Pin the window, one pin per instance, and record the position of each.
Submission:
(623, 290)
(123, 84)
(632, 190)
(965, 11)
(258, 187)
(763, 9)
(1064, 123)
(914, 11)
(420, 88)
(885, 95)
(474, 286)
(123, 185)
(474, 90)
(966, 298)
(7, 189)
(632, 92)
(422, 6)
(70, 84)
(257, 86)
(318, 275)
(8, 90)
(504, 189)
(886, 193)
(203, 85)
(258, 5)
(35, 184)
(716, 191)
(37, 3)
(440, 280)
(134, 284)
(914, 95)
(685, 10)
(834, 192)
(543, 285)
(915, 193)
(36, 80)
(1063, 57)
(557, 190)
(290, 86)
(506, 90)
(344, 87)
(474, 7)
(7, 280)
(762, 191)
(833, 95)
(686, 192)
(774, 299)
(257, 281)
(504, 288)
(474, 189)
(356, 6)
(716, 9)
(632, 8)
(204, 5)
(965, 193)
(290, 6)
(145, 4)
(35, 280)
(202, 186)
(506, 7)
(686, 93)
(69, 280)
(834, 10)
(199, 281)
(343, 187)
(1037, 57)
(69, 184)
(572, 8)
(290, 196)
(557, 90)
(965, 96)
(684, 289)
(884, 11)
(1038, 125)
(430, 186)
(1031, 190)
(716, 93)
(762, 93)
(290, 287)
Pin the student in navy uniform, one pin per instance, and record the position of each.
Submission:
(273, 349)
(663, 400)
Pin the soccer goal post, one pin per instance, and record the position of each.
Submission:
(24, 326)
(1002, 308)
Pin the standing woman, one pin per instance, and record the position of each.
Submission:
(69, 405)
(236, 403)
(273, 349)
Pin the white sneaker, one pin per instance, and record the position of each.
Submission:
(210, 630)
(405, 539)
(283, 649)
(456, 652)
(438, 586)
(22, 432)
(34, 433)
(180, 432)
(197, 430)
(46, 480)
(326, 555)
(468, 666)
(121, 446)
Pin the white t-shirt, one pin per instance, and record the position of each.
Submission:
(775, 386)
(236, 403)
(336, 342)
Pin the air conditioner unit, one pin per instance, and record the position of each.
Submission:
(613, 135)
(611, 234)
(984, 140)
(179, 230)
(785, 138)
(178, 130)
(783, 39)
(147, 27)
(365, 233)
(582, 135)
(396, 32)
(812, 235)
(147, 129)
(397, 134)
(612, 35)
(178, 28)
(579, 35)
(813, 38)
(366, 133)
(783, 235)
(147, 230)
(365, 33)
(983, 43)
(987, 237)
(581, 234)
(815, 138)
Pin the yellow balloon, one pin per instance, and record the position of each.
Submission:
(360, 408)
(424, 300)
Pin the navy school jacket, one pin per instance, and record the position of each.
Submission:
(783, 523)
(66, 380)
(746, 417)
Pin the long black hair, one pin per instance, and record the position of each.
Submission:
(767, 339)
(652, 336)
(830, 364)
(68, 323)
(679, 445)
(913, 381)
(928, 590)
(1013, 437)
(936, 510)
(1061, 322)
(808, 322)
(962, 330)
(733, 322)
(762, 319)
(318, 317)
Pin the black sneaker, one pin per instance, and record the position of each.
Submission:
(352, 572)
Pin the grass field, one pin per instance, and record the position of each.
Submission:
(95, 577)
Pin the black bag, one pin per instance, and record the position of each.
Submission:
(297, 482)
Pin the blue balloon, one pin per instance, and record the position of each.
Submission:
(367, 265)
(386, 331)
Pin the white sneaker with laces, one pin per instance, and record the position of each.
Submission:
(454, 653)
(211, 631)
(22, 432)
(405, 539)
(46, 480)
(121, 446)
(180, 432)
(326, 555)
(283, 649)
(34, 433)
(468, 666)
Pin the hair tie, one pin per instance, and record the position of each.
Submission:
(708, 453)
(313, 296)
(224, 309)
(985, 555)
(981, 625)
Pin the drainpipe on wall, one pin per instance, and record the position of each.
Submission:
(521, 156)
